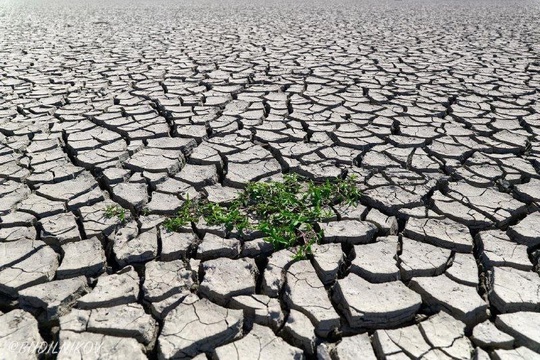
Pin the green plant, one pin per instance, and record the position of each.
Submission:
(185, 216)
(286, 212)
(115, 210)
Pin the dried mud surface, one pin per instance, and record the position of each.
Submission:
(434, 105)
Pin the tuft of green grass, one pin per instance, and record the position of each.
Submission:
(115, 210)
(286, 212)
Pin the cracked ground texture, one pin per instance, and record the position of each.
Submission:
(434, 105)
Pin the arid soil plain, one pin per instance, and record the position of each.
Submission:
(433, 105)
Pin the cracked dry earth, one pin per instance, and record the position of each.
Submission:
(434, 105)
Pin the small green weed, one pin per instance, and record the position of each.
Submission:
(115, 210)
(286, 212)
